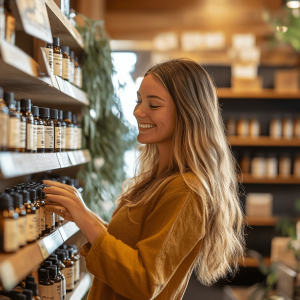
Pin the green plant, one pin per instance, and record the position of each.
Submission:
(105, 132)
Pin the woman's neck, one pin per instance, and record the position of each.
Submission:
(165, 151)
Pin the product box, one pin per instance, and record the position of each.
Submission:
(259, 205)
(248, 71)
(287, 80)
(247, 84)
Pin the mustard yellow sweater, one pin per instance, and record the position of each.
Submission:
(154, 258)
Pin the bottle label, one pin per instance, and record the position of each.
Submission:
(63, 138)
(75, 271)
(63, 284)
(276, 129)
(10, 29)
(60, 218)
(69, 138)
(72, 72)
(22, 230)
(75, 138)
(42, 218)
(50, 219)
(3, 129)
(40, 137)
(14, 133)
(2, 24)
(287, 129)
(49, 137)
(271, 167)
(56, 218)
(80, 78)
(29, 136)
(258, 167)
(76, 76)
(285, 166)
(46, 292)
(58, 137)
(79, 137)
(38, 219)
(65, 68)
(49, 55)
(77, 263)
(34, 137)
(57, 290)
(57, 64)
(31, 227)
(69, 278)
(22, 135)
(10, 235)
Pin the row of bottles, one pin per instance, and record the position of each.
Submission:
(7, 22)
(270, 166)
(56, 276)
(28, 128)
(279, 128)
(23, 217)
(63, 63)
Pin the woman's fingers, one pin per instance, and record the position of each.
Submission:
(60, 185)
(57, 199)
(61, 211)
(59, 191)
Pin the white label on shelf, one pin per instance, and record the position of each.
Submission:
(10, 235)
(72, 158)
(65, 68)
(46, 292)
(3, 129)
(8, 276)
(43, 249)
(49, 137)
(49, 55)
(63, 138)
(34, 137)
(79, 137)
(31, 227)
(40, 137)
(63, 234)
(75, 138)
(57, 64)
(69, 138)
(70, 89)
(29, 136)
(14, 133)
(57, 290)
(22, 231)
(61, 163)
(69, 274)
(10, 29)
(22, 135)
(57, 137)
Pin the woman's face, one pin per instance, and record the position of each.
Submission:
(155, 112)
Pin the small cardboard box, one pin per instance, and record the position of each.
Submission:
(259, 205)
(287, 80)
(245, 84)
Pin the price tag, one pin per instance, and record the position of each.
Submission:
(43, 249)
(63, 234)
(7, 275)
(61, 162)
(72, 158)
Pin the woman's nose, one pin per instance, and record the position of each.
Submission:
(139, 111)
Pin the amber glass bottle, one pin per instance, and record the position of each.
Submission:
(49, 129)
(63, 131)
(69, 130)
(75, 132)
(40, 132)
(30, 125)
(72, 67)
(69, 270)
(57, 129)
(57, 57)
(65, 63)
(4, 121)
(22, 139)
(19, 208)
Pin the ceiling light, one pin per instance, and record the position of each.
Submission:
(293, 3)
(282, 28)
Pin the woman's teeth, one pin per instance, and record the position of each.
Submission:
(146, 125)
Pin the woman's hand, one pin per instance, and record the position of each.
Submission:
(67, 202)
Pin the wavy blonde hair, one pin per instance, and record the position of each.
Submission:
(200, 146)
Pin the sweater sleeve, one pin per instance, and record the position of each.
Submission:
(170, 232)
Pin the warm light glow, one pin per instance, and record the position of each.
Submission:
(93, 113)
(293, 4)
(282, 28)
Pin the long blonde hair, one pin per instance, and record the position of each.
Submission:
(200, 146)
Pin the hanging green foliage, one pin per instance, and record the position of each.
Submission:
(105, 132)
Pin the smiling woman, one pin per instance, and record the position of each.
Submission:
(181, 211)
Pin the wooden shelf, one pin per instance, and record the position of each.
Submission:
(253, 262)
(16, 266)
(19, 73)
(263, 141)
(261, 221)
(18, 164)
(264, 94)
(249, 179)
(81, 287)
(62, 28)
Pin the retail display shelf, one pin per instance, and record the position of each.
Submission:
(261, 221)
(264, 141)
(14, 164)
(81, 287)
(263, 94)
(62, 28)
(20, 74)
(253, 262)
(249, 179)
(16, 266)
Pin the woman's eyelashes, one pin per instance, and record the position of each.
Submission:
(152, 106)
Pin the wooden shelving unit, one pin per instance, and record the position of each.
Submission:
(261, 221)
(18, 164)
(252, 262)
(249, 179)
(81, 287)
(263, 94)
(16, 266)
(263, 141)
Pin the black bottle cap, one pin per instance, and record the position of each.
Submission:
(72, 54)
(1, 93)
(13, 294)
(26, 104)
(71, 252)
(35, 111)
(70, 182)
(19, 296)
(64, 247)
(65, 49)
(8, 191)
(61, 255)
(52, 271)
(44, 112)
(73, 247)
(29, 278)
(28, 294)
(67, 115)
(76, 184)
(18, 105)
(6, 201)
(9, 98)
(66, 253)
(32, 195)
(17, 199)
(53, 113)
(47, 264)
(43, 274)
(39, 191)
(53, 255)
(74, 118)
(34, 287)
(25, 194)
(53, 260)
(56, 41)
